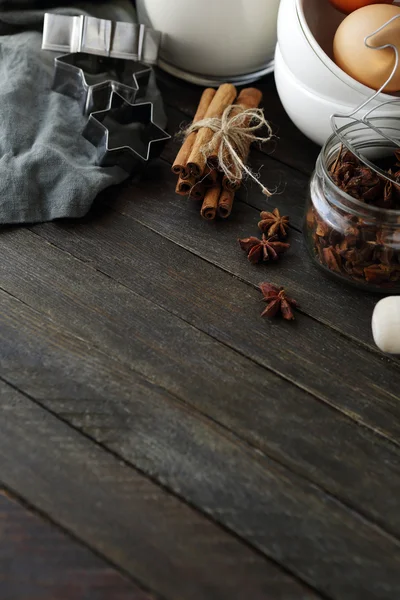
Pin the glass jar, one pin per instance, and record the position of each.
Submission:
(356, 242)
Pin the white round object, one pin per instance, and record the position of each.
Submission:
(306, 29)
(299, 54)
(310, 111)
(386, 325)
(214, 37)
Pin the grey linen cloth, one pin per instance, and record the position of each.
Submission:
(47, 169)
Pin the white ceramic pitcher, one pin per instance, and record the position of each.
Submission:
(214, 38)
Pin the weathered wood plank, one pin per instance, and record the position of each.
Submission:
(153, 536)
(283, 516)
(291, 147)
(132, 327)
(361, 383)
(80, 300)
(38, 561)
(154, 203)
(250, 494)
(367, 389)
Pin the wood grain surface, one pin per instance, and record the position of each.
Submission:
(131, 521)
(190, 448)
(40, 562)
(81, 294)
(179, 282)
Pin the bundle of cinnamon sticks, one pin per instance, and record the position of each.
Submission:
(199, 175)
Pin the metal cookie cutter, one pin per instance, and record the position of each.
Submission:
(116, 39)
(90, 79)
(125, 134)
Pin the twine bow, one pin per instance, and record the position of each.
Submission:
(233, 135)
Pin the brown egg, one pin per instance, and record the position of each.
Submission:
(348, 6)
(366, 65)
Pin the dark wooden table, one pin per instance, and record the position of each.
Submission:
(158, 439)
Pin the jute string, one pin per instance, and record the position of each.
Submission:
(232, 137)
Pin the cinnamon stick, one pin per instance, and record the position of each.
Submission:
(179, 166)
(210, 203)
(190, 187)
(184, 186)
(210, 177)
(247, 99)
(212, 160)
(225, 95)
(229, 185)
(225, 203)
(198, 191)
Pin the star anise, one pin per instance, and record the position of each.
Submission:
(322, 229)
(332, 259)
(264, 249)
(354, 246)
(377, 273)
(273, 223)
(277, 301)
(364, 184)
(380, 247)
(388, 193)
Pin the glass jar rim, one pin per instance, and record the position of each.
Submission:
(375, 210)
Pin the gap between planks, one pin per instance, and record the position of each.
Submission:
(347, 336)
(129, 487)
(307, 496)
(351, 415)
(153, 479)
(211, 423)
(238, 436)
(122, 460)
(36, 519)
(278, 470)
(35, 311)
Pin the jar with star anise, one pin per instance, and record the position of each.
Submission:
(352, 225)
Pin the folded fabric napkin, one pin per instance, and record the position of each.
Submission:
(47, 169)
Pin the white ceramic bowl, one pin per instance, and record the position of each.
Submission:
(214, 38)
(310, 111)
(304, 66)
(306, 29)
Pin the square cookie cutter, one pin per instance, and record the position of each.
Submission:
(125, 134)
(116, 39)
(91, 79)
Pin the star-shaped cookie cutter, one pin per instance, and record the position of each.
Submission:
(91, 79)
(125, 134)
